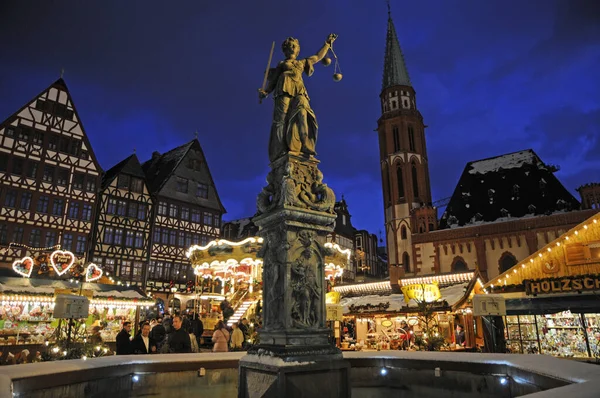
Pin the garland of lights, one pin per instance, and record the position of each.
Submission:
(504, 278)
(21, 245)
(61, 266)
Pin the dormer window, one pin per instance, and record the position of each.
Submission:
(123, 181)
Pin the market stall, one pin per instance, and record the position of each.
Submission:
(551, 297)
(27, 304)
(426, 310)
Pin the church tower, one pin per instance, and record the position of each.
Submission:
(404, 166)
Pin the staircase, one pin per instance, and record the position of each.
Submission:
(241, 311)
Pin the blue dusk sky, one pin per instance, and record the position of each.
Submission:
(491, 77)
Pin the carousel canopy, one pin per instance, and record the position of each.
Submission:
(222, 255)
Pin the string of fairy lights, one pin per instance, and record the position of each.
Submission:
(558, 244)
(95, 271)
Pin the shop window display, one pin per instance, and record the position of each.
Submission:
(593, 332)
(30, 323)
(561, 334)
(521, 334)
(25, 323)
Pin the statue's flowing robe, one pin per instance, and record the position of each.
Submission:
(295, 125)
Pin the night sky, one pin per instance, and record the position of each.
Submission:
(491, 77)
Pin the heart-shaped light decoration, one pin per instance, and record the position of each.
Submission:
(24, 266)
(92, 273)
(62, 261)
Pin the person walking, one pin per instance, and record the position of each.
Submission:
(158, 334)
(220, 337)
(143, 343)
(197, 327)
(124, 340)
(237, 338)
(193, 341)
(168, 323)
(179, 339)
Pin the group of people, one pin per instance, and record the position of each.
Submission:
(171, 335)
(179, 335)
(230, 340)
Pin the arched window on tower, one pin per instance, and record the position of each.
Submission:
(403, 232)
(411, 138)
(506, 262)
(382, 146)
(400, 180)
(406, 262)
(415, 181)
(387, 194)
(396, 136)
(459, 265)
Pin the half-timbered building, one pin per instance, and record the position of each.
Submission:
(187, 210)
(121, 239)
(49, 177)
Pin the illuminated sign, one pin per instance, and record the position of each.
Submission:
(422, 292)
(24, 266)
(92, 273)
(62, 261)
(562, 285)
(332, 297)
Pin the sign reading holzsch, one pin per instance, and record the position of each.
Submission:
(562, 285)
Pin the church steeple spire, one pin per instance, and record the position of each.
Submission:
(404, 164)
(394, 67)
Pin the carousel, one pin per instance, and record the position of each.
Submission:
(229, 278)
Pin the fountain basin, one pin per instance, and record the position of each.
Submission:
(373, 374)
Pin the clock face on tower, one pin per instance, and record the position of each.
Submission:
(550, 267)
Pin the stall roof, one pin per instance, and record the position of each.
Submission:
(549, 261)
(452, 296)
(383, 288)
(48, 286)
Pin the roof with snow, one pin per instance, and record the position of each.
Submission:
(507, 187)
(451, 297)
(240, 229)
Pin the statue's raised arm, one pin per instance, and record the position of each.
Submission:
(294, 128)
(323, 51)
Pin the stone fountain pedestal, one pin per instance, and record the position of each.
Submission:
(294, 357)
